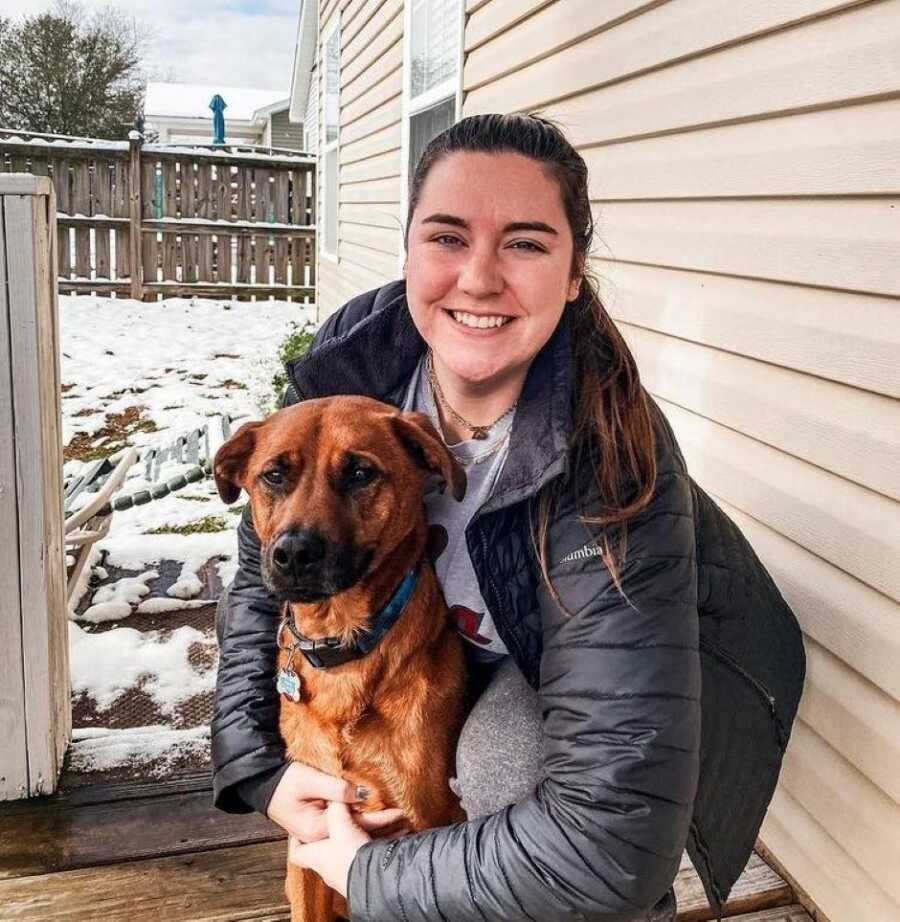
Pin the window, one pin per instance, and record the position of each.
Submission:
(435, 32)
(331, 106)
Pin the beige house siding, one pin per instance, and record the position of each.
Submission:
(311, 113)
(369, 241)
(746, 185)
(285, 133)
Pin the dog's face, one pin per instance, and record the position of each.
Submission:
(335, 485)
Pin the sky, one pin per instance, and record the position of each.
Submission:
(236, 42)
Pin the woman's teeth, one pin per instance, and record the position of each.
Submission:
(482, 323)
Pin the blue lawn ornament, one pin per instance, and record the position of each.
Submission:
(218, 105)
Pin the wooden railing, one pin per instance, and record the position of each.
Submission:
(151, 220)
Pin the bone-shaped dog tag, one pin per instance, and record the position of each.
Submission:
(288, 684)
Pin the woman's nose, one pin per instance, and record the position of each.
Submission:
(480, 275)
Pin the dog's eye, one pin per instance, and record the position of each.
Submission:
(273, 477)
(359, 475)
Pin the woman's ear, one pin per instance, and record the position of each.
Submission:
(574, 288)
(230, 462)
(417, 434)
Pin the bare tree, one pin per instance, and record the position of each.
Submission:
(70, 72)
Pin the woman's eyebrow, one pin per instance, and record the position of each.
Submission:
(530, 226)
(440, 218)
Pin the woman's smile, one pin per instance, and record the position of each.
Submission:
(472, 324)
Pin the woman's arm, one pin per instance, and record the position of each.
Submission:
(602, 836)
(247, 752)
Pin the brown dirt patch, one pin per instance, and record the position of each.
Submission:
(86, 446)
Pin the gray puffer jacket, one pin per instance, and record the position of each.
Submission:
(666, 713)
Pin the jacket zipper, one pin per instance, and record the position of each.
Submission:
(726, 658)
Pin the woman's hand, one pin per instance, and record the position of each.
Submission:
(299, 802)
(331, 858)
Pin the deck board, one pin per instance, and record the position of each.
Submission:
(758, 887)
(224, 885)
(56, 835)
(793, 913)
(161, 851)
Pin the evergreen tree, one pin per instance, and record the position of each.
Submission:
(65, 72)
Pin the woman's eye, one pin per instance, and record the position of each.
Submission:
(273, 477)
(527, 245)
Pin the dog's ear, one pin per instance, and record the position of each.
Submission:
(230, 462)
(428, 450)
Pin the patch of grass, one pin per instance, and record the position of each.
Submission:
(193, 499)
(110, 438)
(295, 344)
(209, 523)
(231, 384)
(237, 510)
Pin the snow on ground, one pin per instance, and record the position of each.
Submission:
(172, 366)
(100, 749)
(107, 664)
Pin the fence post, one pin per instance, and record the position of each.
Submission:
(35, 705)
(135, 139)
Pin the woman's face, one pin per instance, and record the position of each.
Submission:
(489, 262)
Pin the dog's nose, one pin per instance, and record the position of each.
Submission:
(296, 550)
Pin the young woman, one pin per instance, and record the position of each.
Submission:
(635, 670)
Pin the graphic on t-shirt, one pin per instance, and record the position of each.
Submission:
(436, 543)
(468, 622)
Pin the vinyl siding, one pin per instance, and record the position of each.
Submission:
(285, 133)
(369, 241)
(746, 189)
(311, 118)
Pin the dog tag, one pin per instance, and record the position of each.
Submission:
(288, 684)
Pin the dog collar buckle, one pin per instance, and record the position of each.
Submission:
(313, 650)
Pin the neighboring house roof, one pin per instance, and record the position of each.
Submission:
(304, 58)
(191, 100)
(260, 115)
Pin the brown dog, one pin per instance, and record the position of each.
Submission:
(371, 672)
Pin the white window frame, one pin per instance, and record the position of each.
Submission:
(327, 146)
(450, 87)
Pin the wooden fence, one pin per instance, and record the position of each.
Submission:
(151, 220)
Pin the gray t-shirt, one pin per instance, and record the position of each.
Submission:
(448, 520)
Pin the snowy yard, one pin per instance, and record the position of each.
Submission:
(142, 374)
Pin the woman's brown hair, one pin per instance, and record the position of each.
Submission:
(612, 436)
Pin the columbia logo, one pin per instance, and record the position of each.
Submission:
(583, 553)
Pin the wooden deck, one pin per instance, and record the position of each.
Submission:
(161, 852)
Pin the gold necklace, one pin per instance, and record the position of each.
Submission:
(470, 462)
(478, 432)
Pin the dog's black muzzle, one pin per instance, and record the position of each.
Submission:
(304, 566)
